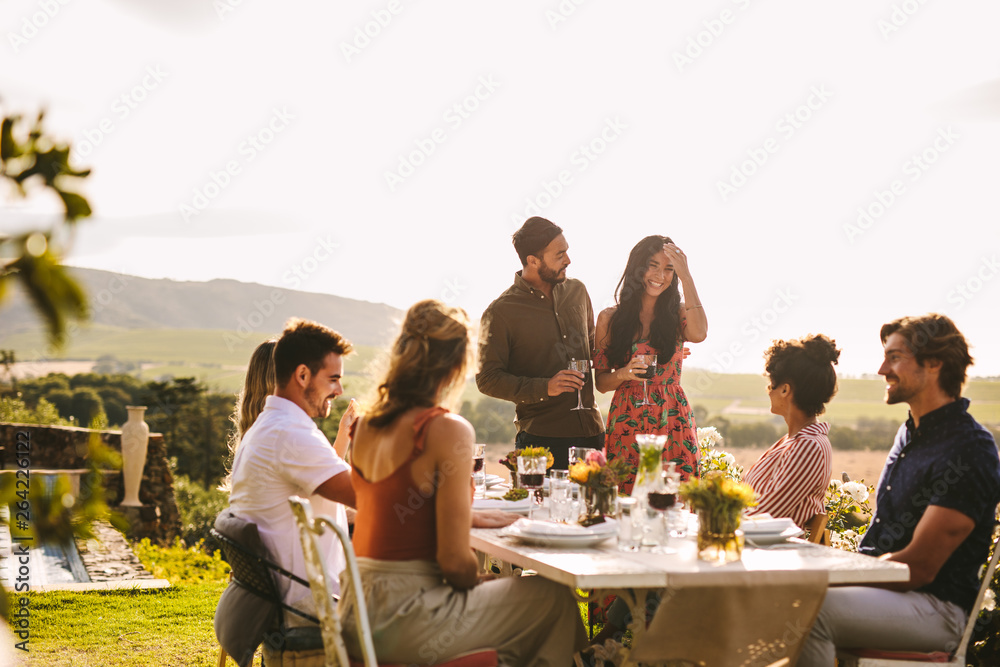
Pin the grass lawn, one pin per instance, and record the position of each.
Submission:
(127, 628)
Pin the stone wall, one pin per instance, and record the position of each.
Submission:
(65, 447)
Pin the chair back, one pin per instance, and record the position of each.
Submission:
(970, 625)
(320, 583)
(817, 528)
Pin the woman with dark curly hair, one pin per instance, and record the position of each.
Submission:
(650, 319)
(791, 477)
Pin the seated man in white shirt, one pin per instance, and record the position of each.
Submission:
(285, 454)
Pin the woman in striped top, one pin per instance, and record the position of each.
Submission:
(791, 477)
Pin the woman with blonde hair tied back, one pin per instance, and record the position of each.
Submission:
(420, 578)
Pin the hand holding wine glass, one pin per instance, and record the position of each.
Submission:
(648, 374)
(580, 366)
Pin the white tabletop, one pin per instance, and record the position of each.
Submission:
(604, 567)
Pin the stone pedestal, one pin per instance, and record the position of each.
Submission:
(143, 520)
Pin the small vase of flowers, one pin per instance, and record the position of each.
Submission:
(599, 479)
(719, 502)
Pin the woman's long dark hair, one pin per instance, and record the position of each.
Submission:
(625, 327)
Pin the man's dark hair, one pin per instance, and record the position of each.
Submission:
(532, 238)
(305, 342)
(935, 336)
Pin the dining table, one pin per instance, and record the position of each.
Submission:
(780, 586)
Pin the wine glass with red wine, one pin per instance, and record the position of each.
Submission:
(648, 374)
(531, 474)
(478, 471)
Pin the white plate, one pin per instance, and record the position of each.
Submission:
(764, 539)
(493, 480)
(592, 537)
(514, 506)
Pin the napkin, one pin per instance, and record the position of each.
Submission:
(550, 528)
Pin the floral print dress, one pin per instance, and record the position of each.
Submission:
(669, 415)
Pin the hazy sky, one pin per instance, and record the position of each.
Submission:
(386, 150)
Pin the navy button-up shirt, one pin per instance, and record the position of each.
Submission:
(950, 461)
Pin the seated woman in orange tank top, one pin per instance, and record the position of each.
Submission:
(427, 601)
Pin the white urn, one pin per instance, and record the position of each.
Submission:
(135, 440)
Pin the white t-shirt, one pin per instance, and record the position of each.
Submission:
(284, 454)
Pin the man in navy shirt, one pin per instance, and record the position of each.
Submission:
(935, 505)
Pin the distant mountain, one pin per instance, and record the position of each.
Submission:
(130, 302)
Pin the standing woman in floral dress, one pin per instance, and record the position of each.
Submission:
(650, 318)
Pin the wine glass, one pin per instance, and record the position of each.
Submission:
(661, 499)
(647, 374)
(478, 473)
(583, 366)
(531, 474)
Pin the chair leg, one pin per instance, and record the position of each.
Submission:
(222, 657)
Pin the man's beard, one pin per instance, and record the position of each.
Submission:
(550, 276)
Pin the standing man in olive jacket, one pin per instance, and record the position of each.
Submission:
(528, 337)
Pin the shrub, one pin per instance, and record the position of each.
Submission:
(180, 564)
(198, 508)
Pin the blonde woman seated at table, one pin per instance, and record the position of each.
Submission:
(427, 601)
(792, 476)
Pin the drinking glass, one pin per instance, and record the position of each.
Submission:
(559, 499)
(629, 524)
(583, 366)
(648, 374)
(531, 474)
(578, 454)
(478, 471)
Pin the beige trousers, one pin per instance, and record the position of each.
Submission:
(416, 617)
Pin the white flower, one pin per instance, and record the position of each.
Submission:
(709, 436)
(850, 534)
(856, 490)
(990, 600)
(835, 484)
(729, 459)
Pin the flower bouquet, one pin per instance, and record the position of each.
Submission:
(847, 512)
(718, 501)
(599, 479)
(710, 458)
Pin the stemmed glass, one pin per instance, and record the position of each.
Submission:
(648, 374)
(662, 499)
(478, 472)
(531, 474)
(583, 366)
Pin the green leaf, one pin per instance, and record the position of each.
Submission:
(8, 146)
(76, 206)
(54, 294)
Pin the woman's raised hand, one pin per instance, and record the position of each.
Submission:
(677, 257)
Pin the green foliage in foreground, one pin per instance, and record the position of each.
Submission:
(127, 628)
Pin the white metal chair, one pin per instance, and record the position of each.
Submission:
(310, 529)
(877, 658)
